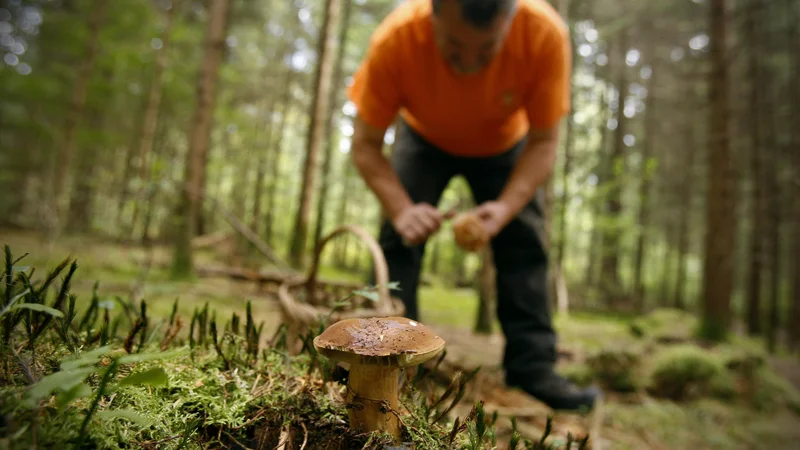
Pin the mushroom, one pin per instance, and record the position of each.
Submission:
(469, 232)
(376, 349)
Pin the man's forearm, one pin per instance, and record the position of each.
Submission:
(380, 178)
(531, 171)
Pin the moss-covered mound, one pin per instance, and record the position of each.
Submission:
(115, 377)
(665, 326)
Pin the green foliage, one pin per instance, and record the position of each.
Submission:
(665, 325)
(91, 384)
(687, 372)
(618, 367)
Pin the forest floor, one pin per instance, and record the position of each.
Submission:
(624, 421)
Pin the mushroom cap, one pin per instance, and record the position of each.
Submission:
(385, 341)
(469, 233)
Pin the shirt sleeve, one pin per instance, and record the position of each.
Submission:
(549, 97)
(375, 89)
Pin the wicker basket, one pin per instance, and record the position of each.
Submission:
(306, 301)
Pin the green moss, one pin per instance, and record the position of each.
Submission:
(665, 325)
(617, 367)
(687, 372)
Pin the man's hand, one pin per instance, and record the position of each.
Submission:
(495, 215)
(417, 222)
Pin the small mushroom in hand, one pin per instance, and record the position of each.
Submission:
(376, 349)
(469, 232)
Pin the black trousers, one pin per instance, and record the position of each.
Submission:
(519, 252)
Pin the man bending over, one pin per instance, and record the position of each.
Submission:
(480, 86)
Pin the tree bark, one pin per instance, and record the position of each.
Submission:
(685, 195)
(319, 107)
(611, 238)
(773, 222)
(287, 103)
(334, 103)
(60, 194)
(756, 250)
(190, 207)
(794, 324)
(645, 177)
(150, 123)
(487, 293)
(602, 172)
(720, 207)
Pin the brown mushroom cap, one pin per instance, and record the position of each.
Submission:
(385, 341)
(469, 232)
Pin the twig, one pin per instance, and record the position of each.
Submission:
(25, 368)
(255, 383)
(237, 442)
(305, 435)
(253, 419)
(284, 438)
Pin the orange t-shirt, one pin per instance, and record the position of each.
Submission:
(527, 84)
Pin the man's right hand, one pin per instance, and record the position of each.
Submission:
(417, 222)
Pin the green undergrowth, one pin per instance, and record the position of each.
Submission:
(113, 375)
(662, 358)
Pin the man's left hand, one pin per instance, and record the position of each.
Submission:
(495, 215)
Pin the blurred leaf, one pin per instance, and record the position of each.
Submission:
(87, 359)
(143, 357)
(126, 414)
(38, 308)
(62, 381)
(152, 377)
(66, 397)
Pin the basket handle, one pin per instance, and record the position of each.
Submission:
(378, 258)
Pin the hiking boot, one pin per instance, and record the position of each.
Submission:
(557, 392)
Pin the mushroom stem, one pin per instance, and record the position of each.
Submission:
(373, 388)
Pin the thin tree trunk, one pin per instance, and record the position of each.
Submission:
(773, 220)
(287, 104)
(334, 103)
(568, 144)
(687, 183)
(190, 207)
(720, 208)
(261, 167)
(644, 194)
(341, 215)
(63, 168)
(611, 238)
(150, 123)
(602, 173)
(319, 107)
(794, 324)
(756, 257)
(486, 294)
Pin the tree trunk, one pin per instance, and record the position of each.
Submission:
(602, 173)
(150, 123)
(60, 195)
(773, 222)
(685, 194)
(794, 324)
(287, 103)
(341, 214)
(334, 104)
(487, 293)
(190, 206)
(720, 208)
(319, 107)
(756, 257)
(645, 177)
(568, 143)
(611, 238)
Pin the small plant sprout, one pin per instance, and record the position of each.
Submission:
(376, 349)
